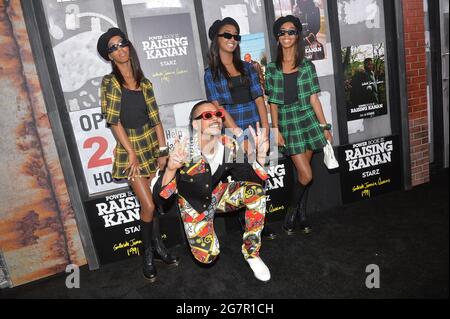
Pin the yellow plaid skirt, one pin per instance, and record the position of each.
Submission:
(145, 143)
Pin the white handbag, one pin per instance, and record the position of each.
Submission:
(154, 180)
(328, 156)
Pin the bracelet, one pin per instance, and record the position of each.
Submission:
(163, 151)
(325, 127)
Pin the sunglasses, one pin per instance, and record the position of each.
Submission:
(228, 36)
(289, 32)
(115, 47)
(207, 115)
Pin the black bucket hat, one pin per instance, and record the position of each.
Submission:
(215, 27)
(102, 43)
(282, 20)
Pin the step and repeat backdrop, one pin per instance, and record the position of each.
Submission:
(166, 37)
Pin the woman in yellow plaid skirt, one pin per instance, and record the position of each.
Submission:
(292, 87)
(129, 107)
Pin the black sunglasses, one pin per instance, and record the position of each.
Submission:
(207, 115)
(289, 32)
(227, 35)
(115, 47)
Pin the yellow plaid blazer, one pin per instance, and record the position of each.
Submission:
(111, 97)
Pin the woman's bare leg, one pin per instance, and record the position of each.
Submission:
(140, 186)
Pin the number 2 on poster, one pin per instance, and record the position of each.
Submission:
(96, 160)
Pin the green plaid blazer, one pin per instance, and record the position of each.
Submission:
(307, 83)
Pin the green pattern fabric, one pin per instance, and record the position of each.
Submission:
(297, 122)
(307, 83)
(300, 129)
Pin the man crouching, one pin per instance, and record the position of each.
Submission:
(197, 174)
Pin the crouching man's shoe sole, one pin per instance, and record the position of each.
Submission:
(260, 270)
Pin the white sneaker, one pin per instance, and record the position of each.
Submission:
(259, 268)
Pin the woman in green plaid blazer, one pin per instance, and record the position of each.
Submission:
(297, 115)
(129, 107)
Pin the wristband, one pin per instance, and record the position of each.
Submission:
(325, 127)
(163, 151)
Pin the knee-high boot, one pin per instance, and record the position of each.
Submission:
(149, 268)
(160, 250)
(302, 212)
(291, 215)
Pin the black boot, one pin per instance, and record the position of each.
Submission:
(160, 251)
(304, 224)
(289, 221)
(291, 215)
(148, 268)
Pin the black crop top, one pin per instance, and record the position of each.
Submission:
(290, 87)
(133, 111)
(240, 92)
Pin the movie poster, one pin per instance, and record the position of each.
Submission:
(370, 168)
(166, 51)
(364, 81)
(312, 16)
(74, 28)
(114, 221)
(253, 50)
(95, 144)
(278, 186)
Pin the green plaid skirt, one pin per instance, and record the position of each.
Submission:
(145, 143)
(300, 129)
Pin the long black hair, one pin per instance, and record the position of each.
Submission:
(217, 67)
(135, 68)
(299, 52)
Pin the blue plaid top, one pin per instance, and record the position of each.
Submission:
(243, 114)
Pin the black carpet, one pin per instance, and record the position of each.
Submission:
(405, 233)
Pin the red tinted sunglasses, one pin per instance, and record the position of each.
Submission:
(207, 115)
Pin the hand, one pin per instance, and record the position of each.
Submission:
(237, 131)
(280, 140)
(133, 168)
(328, 136)
(178, 156)
(261, 143)
(162, 162)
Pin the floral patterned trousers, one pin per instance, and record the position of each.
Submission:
(226, 197)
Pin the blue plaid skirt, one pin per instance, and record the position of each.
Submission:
(244, 114)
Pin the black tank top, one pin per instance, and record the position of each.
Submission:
(290, 87)
(240, 93)
(133, 111)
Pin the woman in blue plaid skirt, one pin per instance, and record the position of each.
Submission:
(234, 84)
(129, 107)
(296, 111)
